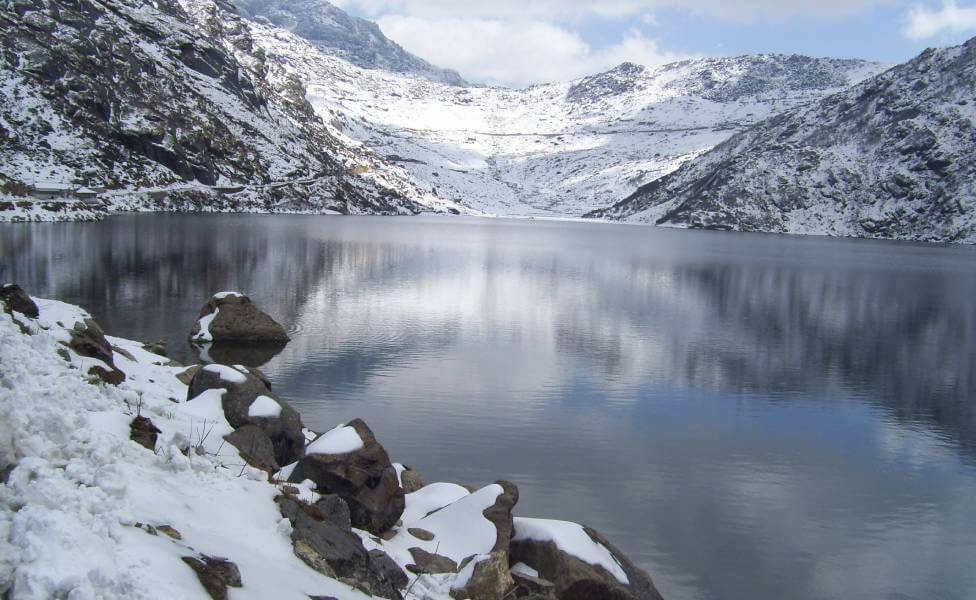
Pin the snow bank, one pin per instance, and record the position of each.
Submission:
(204, 334)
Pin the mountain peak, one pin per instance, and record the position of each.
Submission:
(336, 32)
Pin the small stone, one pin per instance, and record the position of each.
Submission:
(427, 562)
(215, 574)
(113, 377)
(421, 534)
(14, 298)
(143, 432)
(169, 531)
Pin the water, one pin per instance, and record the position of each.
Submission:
(747, 416)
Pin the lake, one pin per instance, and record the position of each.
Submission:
(747, 416)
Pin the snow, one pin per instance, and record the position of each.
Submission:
(570, 538)
(228, 374)
(524, 569)
(264, 406)
(69, 510)
(204, 334)
(341, 440)
(223, 295)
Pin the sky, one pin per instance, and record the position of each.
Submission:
(521, 42)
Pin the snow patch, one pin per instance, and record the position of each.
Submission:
(228, 374)
(341, 440)
(572, 539)
(264, 407)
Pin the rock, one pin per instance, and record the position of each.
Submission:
(336, 552)
(334, 510)
(244, 389)
(88, 339)
(527, 585)
(111, 377)
(255, 447)
(14, 298)
(364, 478)
(186, 376)
(143, 432)
(575, 579)
(215, 574)
(250, 354)
(490, 579)
(122, 352)
(500, 514)
(235, 319)
(410, 480)
(426, 562)
(158, 348)
(387, 569)
(421, 534)
(170, 532)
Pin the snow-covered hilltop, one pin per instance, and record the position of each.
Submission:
(335, 32)
(889, 158)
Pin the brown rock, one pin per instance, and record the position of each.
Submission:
(215, 574)
(254, 446)
(491, 579)
(500, 514)
(365, 479)
(111, 377)
(143, 432)
(186, 376)
(410, 480)
(88, 339)
(426, 562)
(421, 534)
(16, 299)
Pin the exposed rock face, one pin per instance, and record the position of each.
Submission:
(364, 478)
(428, 562)
(337, 552)
(575, 579)
(892, 157)
(410, 480)
(282, 423)
(88, 339)
(14, 298)
(232, 317)
(215, 574)
(500, 515)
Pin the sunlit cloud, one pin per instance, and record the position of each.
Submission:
(923, 24)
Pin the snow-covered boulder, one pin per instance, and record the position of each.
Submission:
(579, 561)
(348, 461)
(232, 317)
(247, 400)
(14, 298)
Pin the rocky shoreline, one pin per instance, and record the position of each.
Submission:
(208, 459)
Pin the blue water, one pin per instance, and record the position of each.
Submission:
(747, 416)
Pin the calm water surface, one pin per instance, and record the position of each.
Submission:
(749, 417)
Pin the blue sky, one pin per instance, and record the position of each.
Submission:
(519, 42)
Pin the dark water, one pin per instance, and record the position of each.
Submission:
(754, 417)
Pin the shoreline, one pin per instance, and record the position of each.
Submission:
(74, 477)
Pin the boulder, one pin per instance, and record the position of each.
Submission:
(500, 515)
(251, 354)
(349, 462)
(486, 578)
(232, 317)
(573, 578)
(14, 298)
(254, 446)
(110, 376)
(338, 553)
(387, 569)
(248, 401)
(215, 574)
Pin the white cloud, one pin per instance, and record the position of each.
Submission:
(923, 23)
(517, 52)
(571, 10)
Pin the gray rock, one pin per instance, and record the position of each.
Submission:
(410, 480)
(255, 447)
(421, 534)
(387, 569)
(238, 320)
(285, 430)
(14, 298)
(527, 586)
(88, 339)
(575, 579)
(365, 479)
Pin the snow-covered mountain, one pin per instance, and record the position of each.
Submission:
(138, 95)
(335, 32)
(557, 149)
(889, 158)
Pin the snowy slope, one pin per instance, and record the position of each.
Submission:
(137, 95)
(889, 158)
(557, 149)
